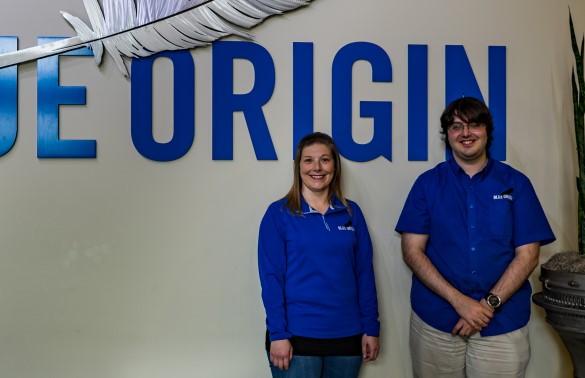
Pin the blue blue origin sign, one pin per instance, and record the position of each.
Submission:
(459, 80)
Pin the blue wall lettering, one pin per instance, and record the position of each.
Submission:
(8, 98)
(418, 103)
(49, 96)
(379, 111)
(183, 107)
(303, 92)
(225, 102)
(460, 81)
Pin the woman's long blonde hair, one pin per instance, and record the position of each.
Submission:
(294, 194)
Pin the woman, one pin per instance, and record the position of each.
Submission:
(315, 264)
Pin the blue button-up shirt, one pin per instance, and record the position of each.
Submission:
(474, 226)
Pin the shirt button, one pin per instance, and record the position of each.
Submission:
(472, 249)
(473, 271)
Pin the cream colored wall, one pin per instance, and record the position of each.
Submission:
(123, 267)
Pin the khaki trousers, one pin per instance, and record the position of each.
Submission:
(436, 354)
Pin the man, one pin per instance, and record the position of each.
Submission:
(471, 231)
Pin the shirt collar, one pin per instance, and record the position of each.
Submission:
(479, 175)
(335, 204)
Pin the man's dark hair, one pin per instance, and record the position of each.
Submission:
(468, 109)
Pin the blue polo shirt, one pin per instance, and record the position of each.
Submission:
(316, 272)
(474, 225)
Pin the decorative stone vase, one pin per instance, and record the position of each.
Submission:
(563, 299)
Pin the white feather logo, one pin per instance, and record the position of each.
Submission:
(139, 28)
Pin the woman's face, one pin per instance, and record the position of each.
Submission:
(317, 168)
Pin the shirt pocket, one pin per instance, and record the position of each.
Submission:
(501, 222)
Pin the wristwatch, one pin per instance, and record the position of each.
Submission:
(493, 301)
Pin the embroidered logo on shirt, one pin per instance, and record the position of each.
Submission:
(346, 227)
(506, 194)
(503, 196)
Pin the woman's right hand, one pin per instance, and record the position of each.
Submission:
(281, 353)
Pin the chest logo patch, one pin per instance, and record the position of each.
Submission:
(503, 196)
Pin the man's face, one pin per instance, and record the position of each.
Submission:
(468, 141)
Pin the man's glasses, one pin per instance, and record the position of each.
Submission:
(458, 127)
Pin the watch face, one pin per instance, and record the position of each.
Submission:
(494, 301)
